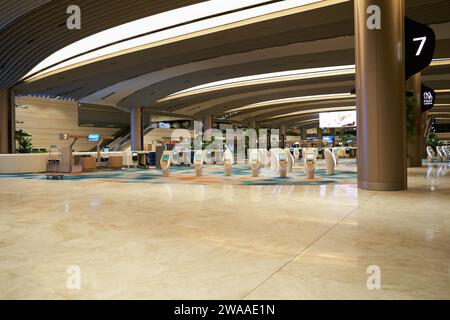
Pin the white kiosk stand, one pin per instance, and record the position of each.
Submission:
(208, 157)
(254, 162)
(283, 163)
(330, 162)
(296, 154)
(290, 159)
(227, 162)
(198, 163)
(165, 163)
(310, 164)
(175, 157)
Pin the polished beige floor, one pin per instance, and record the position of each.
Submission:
(150, 241)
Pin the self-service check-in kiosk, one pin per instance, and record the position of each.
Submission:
(330, 162)
(198, 163)
(227, 162)
(290, 159)
(208, 157)
(310, 164)
(296, 154)
(165, 163)
(254, 162)
(175, 157)
(283, 163)
(130, 159)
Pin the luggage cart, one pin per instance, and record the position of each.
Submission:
(55, 168)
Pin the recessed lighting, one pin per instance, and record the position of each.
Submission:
(265, 78)
(333, 96)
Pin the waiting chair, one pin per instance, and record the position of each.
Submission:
(431, 155)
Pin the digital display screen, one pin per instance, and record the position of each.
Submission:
(198, 156)
(309, 156)
(337, 119)
(93, 137)
(164, 125)
(328, 139)
(165, 157)
(282, 156)
(106, 149)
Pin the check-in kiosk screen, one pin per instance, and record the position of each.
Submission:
(309, 156)
(165, 157)
(282, 156)
(198, 157)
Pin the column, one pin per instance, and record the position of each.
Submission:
(282, 136)
(7, 121)
(414, 141)
(137, 134)
(319, 134)
(380, 90)
(304, 134)
(207, 124)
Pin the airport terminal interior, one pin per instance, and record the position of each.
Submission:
(239, 149)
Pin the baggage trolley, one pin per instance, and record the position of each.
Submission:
(55, 168)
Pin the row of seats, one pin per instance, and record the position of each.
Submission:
(443, 154)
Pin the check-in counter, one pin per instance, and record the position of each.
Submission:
(23, 163)
(115, 162)
(88, 164)
(37, 162)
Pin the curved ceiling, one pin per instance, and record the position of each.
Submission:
(33, 30)
(319, 37)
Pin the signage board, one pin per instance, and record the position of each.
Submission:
(93, 137)
(428, 97)
(337, 119)
(420, 42)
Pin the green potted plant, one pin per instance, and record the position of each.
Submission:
(24, 140)
(432, 141)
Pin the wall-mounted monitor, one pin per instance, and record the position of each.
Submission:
(337, 119)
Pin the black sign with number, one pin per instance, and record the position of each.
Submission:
(428, 98)
(420, 42)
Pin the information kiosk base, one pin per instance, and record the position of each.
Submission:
(310, 164)
(165, 163)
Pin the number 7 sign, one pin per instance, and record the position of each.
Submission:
(420, 42)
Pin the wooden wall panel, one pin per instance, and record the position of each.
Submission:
(44, 119)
